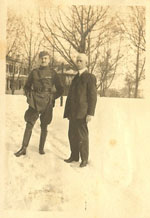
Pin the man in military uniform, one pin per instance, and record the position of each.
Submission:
(40, 97)
(79, 109)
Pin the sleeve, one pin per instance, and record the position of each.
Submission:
(28, 83)
(91, 95)
(58, 85)
(68, 103)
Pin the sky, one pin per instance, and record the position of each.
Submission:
(24, 7)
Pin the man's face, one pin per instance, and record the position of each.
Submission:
(81, 62)
(44, 60)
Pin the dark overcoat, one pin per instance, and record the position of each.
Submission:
(82, 97)
(43, 86)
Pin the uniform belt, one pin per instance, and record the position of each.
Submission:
(42, 89)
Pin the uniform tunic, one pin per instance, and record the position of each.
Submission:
(39, 90)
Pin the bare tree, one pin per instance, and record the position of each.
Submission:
(107, 67)
(135, 32)
(83, 30)
(129, 80)
(23, 41)
(13, 51)
(32, 41)
(14, 32)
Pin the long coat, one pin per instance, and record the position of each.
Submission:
(82, 96)
(40, 87)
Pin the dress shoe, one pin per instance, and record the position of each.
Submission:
(70, 160)
(83, 163)
(41, 152)
(22, 151)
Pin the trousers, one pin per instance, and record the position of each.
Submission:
(79, 139)
(31, 116)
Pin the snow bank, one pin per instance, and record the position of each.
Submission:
(115, 184)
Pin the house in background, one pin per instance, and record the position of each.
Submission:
(17, 74)
(66, 77)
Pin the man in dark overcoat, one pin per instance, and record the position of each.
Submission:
(79, 109)
(39, 90)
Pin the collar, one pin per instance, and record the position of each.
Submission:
(44, 67)
(82, 71)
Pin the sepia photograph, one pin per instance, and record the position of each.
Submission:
(76, 110)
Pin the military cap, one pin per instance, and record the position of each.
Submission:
(43, 53)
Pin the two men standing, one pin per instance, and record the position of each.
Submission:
(79, 108)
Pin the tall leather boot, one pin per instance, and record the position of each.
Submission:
(25, 142)
(42, 140)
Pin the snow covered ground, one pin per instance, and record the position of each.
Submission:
(115, 184)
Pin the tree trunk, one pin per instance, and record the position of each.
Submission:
(129, 90)
(137, 68)
(137, 79)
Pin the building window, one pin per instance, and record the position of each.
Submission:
(11, 68)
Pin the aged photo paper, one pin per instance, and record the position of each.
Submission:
(115, 36)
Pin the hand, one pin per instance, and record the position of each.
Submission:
(88, 118)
